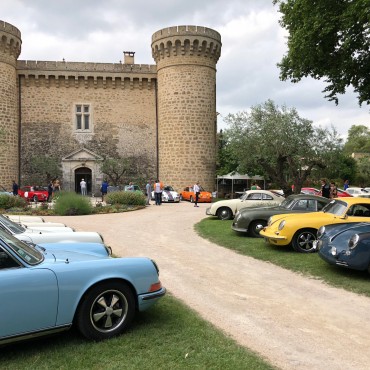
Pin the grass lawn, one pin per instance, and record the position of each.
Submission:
(310, 264)
(168, 336)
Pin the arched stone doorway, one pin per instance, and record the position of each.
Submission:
(83, 173)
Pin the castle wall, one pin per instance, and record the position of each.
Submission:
(186, 58)
(10, 46)
(122, 114)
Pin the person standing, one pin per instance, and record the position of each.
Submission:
(148, 189)
(83, 187)
(333, 190)
(104, 189)
(158, 193)
(346, 185)
(50, 191)
(15, 188)
(197, 192)
(325, 189)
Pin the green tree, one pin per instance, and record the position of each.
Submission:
(121, 171)
(358, 140)
(42, 170)
(280, 145)
(328, 39)
(226, 162)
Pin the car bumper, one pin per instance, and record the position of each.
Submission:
(239, 229)
(208, 212)
(275, 239)
(148, 299)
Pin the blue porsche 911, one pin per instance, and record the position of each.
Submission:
(47, 288)
(345, 244)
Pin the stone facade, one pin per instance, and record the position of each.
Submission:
(77, 114)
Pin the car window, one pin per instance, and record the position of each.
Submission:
(336, 207)
(254, 196)
(267, 197)
(27, 253)
(300, 205)
(359, 210)
(321, 205)
(6, 260)
(6, 223)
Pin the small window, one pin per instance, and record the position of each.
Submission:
(82, 117)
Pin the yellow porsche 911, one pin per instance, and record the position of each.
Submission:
(300, 229)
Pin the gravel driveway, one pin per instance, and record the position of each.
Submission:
(292, 321)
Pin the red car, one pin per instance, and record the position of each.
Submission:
(35, 193)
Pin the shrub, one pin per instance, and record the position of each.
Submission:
(130, 198)
(70, 203)
(8, 201)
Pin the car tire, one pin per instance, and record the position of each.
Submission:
(35, 199)
(224, 213)
(303, 240)
(191, 199)
(105, 311)
(255, 227)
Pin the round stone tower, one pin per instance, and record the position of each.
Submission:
(186, 58)
(10, 48)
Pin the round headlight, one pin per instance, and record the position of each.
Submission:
(321, 231)
(281, 225)
(353, 241)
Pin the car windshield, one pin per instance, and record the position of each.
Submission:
(13, 227)
(168, 188)
(335, 207)
(286, 203)
(27, 253)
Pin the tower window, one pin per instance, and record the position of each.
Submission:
(82, 120)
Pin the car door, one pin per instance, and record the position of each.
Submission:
(28, 297)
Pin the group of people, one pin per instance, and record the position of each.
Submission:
(328, 190)
(158, 188)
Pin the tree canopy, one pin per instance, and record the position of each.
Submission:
(328, 39)
(278, 144)
(358, 140)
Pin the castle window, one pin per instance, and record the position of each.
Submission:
(82, 113)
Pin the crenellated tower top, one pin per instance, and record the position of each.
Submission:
(186, 41)
(10, 43)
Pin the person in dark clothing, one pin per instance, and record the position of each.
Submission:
(15, 188)
(325, 189)
(50, 191)
(104, 189)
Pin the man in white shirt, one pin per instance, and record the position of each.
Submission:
(83, 187)
(197, 192)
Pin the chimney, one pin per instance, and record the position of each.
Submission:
(129, 57)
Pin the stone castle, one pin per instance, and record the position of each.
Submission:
(78, 114)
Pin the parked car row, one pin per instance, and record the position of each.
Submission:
(338, 229)
(52, 277)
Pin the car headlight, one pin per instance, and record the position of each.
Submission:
(321, 231)
(352, 244)
(281, 225)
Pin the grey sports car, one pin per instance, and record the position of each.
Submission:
(252, 220)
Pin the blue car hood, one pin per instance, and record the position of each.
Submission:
(60, 255)
(333, 230)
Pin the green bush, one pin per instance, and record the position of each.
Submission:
(130, 198)
(8, 201)
(70, 204)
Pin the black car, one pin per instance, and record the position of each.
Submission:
(252, 220)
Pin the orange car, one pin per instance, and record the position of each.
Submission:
(188, 194)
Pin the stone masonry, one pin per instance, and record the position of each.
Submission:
(165, 112)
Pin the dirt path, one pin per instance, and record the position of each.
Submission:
(292, 321)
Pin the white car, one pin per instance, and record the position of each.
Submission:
(78, 236)
(358, 192)
(169, 195)
(14, 227)
(226, 209)
(24, 218)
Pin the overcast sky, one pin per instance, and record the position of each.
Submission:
(252, 44)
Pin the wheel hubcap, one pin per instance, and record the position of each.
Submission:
(305, 241)
(108, 311)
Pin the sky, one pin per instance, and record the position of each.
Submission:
(253, 43)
